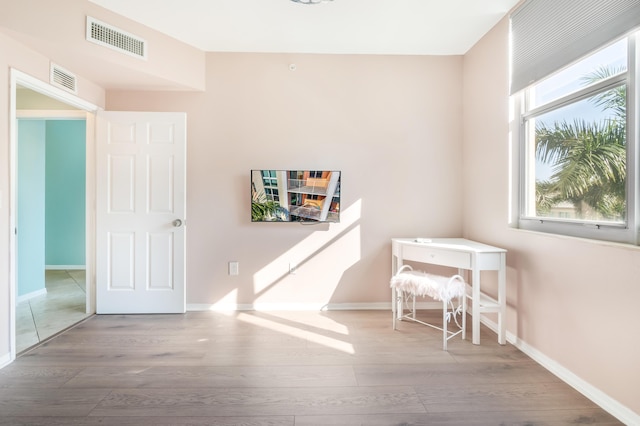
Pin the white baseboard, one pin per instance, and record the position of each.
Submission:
(31, 295)
(64, 267)
(225, 307)
(610, 405)
(5, 360)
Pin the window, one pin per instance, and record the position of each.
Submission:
(578, 154)
(272, 194)
(269, 178)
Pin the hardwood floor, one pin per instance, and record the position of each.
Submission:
(285, 368)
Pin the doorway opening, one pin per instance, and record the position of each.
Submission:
(52, 216)
(51, 200)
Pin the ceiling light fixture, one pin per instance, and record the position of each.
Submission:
(311, 1)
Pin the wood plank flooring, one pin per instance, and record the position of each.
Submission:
(280, 368)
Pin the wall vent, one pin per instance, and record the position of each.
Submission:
(116, 39)
(63, 79)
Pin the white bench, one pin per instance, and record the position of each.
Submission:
(406, 284)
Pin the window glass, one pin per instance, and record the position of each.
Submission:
(575, 150)
(612, 59)
(580, 159)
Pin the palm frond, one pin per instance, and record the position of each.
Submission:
(614, 99)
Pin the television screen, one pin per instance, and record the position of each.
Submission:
(295, 196)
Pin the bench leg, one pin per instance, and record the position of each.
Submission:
(445, 335)
(464, 316)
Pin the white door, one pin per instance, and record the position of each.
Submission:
(141, 208)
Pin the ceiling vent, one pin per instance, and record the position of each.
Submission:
(63, 79)
(116, 39)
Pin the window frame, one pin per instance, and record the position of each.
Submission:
(627, 232)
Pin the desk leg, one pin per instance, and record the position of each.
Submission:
(502, 301)
(393, 306)
(465, 276)
(394, 293)
(475, 305)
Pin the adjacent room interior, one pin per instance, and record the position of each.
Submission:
(51, 294)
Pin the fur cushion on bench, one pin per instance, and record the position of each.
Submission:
(424, 284)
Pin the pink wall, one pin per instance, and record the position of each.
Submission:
(390, 124)
(572, 300)
(58, 28)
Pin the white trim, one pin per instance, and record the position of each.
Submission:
(90, 214)
(5, 360)
(13, 145)
(604, 401)
(64, 267)
(51, 91)
(29, 296)
(225, 307)
(70, 114)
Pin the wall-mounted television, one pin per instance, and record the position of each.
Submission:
(295, 195)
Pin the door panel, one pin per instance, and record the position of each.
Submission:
(121, 261)
(140, 212)
(121, 179)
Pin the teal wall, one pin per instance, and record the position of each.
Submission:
(65, 193)
(30, 219)
(51, 198)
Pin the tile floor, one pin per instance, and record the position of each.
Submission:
(43, 316)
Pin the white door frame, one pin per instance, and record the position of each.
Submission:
(18, 78)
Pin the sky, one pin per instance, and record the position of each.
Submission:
(568, 81)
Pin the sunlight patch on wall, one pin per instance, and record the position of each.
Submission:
(226, 303)
(327, 252)
(316, 278)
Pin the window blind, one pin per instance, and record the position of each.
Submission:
(547, 35)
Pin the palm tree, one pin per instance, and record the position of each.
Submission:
(546, 197)
(588, 159)
(616, 99)
(266, 210)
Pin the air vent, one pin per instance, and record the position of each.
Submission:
(116, 39)
(63, 79)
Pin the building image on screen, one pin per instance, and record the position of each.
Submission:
(295, 196)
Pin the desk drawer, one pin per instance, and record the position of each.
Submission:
(436, 256)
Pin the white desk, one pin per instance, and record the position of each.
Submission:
(466, 255)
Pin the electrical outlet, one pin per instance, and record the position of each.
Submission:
(293, 268)
(234, 268)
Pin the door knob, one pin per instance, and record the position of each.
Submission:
(177, 223)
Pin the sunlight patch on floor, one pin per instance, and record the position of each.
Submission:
(300, 333)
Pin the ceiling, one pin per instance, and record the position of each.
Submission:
(407, 27)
